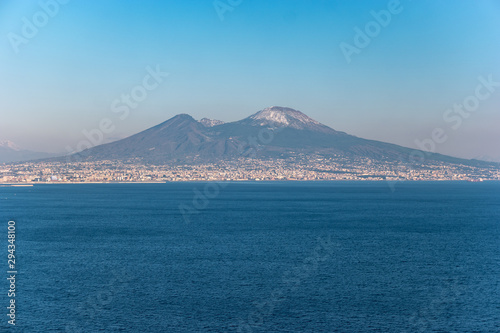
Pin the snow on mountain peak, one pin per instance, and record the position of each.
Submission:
(9, 144)
(210, 122)
(283, 116)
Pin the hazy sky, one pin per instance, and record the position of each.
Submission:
(64, 76)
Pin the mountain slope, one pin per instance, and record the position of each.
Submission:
(174, 139)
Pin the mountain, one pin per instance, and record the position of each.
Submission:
(178, 138)
(274, 132)
(210, 122)
(10, 152)
(7, 144)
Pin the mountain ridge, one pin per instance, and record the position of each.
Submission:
(182, 139)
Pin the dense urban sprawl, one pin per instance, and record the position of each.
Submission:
(297, 168)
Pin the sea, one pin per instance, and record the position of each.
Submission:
(253, 257)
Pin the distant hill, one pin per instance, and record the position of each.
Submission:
(10, 152)
(274, 132)
(210, 122)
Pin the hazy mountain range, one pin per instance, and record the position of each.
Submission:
(275, 132)
(10, 152)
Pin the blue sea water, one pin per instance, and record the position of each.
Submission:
(254, 257)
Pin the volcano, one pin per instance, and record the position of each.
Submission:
(288, 132)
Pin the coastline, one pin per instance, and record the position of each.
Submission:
(30, 184)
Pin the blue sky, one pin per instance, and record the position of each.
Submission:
(429, 56)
